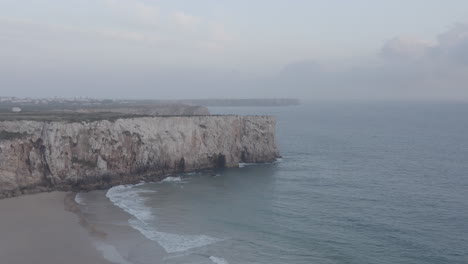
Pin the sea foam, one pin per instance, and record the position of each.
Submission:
(130, 199)
(173, 179)
(242, 165)
(218, 260)
(79, 199)
(110, 253)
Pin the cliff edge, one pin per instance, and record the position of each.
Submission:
(49, 155)
(149, 110)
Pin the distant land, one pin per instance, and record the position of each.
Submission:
(242, 102)
(7, 103)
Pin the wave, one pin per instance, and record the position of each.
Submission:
(218, 260)
(110, 253)
(79, 199)
(242, 165)
(172, 243)
(193, 173)
(173, 179)
(129, 199)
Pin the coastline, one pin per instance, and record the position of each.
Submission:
(45, 228)
(85, 155)
(56, 227)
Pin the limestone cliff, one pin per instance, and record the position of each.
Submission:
(50, 155)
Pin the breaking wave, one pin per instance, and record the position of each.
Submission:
(130, 199)
(218, 260)
(173, 179)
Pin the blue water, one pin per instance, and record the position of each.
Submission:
(359, 183)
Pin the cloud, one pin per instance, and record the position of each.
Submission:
(450, 47)
(456, 35)
(32, 31)
(406, 48)
(218, 38)
(185, 20)
(407, 68)
(136, 44)
(175, 29)
(453, 45)
(137, 11)
(121, 34)
(219, 33)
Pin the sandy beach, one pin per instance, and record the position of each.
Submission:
(38, 229)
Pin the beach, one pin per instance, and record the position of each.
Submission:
(38, 229)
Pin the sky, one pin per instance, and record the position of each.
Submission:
(177, 49)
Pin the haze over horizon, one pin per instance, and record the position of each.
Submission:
(313, 50)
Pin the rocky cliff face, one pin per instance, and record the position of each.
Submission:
(41, 156)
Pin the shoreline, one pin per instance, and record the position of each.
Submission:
(60, 229)
(44, 228)
(72, 206)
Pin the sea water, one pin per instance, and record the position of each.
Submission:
(358, 183)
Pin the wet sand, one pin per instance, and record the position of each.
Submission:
(38, 229)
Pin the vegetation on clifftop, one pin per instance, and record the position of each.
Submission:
(67, 117)
(6, 135)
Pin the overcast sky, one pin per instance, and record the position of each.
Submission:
(312, 49)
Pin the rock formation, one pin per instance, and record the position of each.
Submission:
(59, 155)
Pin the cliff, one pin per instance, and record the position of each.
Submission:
(63, 155)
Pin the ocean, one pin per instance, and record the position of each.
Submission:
(378, 183)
